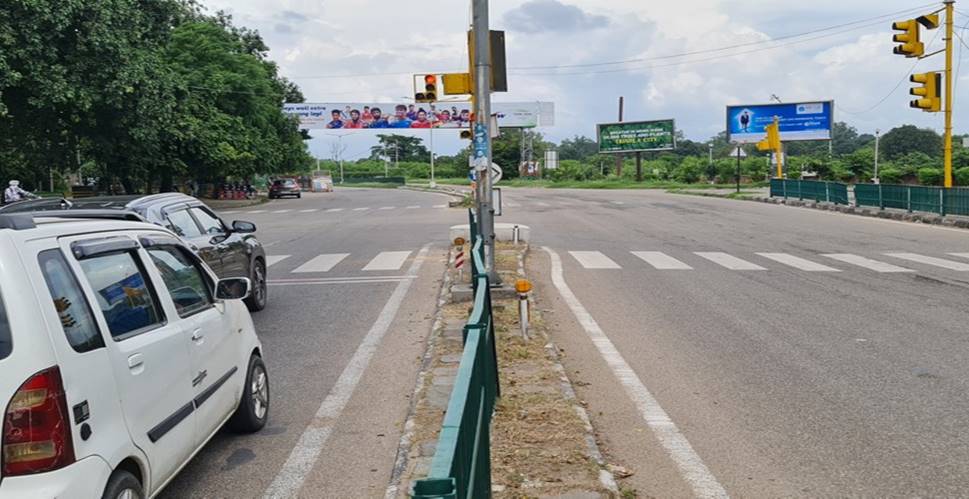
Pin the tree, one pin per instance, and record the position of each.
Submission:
(400, 148)
(909, 138)
(579, 147)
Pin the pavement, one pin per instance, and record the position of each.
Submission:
(733, 348)
(353, 275)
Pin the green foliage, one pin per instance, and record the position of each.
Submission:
(905, 139)
(960, 176)
(930, 176)
(890, 175)
(399, 148)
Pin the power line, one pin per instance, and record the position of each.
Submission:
(730, 47)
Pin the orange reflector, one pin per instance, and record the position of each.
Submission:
(523, 285)
(459, 241)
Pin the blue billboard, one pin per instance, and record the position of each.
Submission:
(798, 121)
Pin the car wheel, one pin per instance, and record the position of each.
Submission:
(253, 410)
(299, 195)
(123, 485)
(259, 294)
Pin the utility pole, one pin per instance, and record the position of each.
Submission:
(482, 133)
(433, 182)
(619, 158)
(876, 179)
(949, 8)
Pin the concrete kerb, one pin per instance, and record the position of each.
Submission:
(438, 190)
(887, 214)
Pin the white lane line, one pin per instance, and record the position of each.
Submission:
(304, 455)
(960, 255)
(594, 260)
(388, 260)
(282, 211)
(661, 261)
(439, 206)
(617, 202)
(728, 261)
(274, 259)
(414, 207)
(798, 262)
(361, 209)
(256, 211)
(322, 263)
(867, 263)
(931, 260)
(233, 212)
(511, 204)
(539, 203)
(311, 210)
(386, 208)
(691, 467)
(334, 210)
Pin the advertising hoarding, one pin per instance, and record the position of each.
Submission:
(798, 121)
(382, 115)
(632, 136)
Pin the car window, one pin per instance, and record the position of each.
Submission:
(290, 183)
(209, 222)
(184, 280)
(183, 224)
(277, 182)
(124, 295)
(6, 343)
(77, 319)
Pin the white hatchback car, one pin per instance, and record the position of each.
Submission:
(121, 355)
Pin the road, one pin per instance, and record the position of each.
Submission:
(774, 351)
(341, 265)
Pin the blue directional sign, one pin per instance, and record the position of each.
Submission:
(798, 121)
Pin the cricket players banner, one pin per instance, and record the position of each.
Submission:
(798, 121)
(453, 115)
(633, 136)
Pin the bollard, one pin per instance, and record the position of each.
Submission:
(514, 235)
(459, 258)
(523, 286)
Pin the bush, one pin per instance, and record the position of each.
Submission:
(961, 176)
(890, 175)
(930, 176)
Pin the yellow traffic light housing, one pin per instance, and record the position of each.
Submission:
(908, 38)
(929, 92)
(427, 92)
(773, 140)
(930, 21)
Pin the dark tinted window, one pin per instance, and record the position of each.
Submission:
(77, 320)
(183, 224)
(6, 344)
(210, 223)
(124, 294)
(183, 279)
(277, 182)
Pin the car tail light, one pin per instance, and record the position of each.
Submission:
(36, 427)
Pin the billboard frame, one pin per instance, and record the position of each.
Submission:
(672, 133)
(830, 102)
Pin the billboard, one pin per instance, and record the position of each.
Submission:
(635, 136)
(454, 115)
(798, 121)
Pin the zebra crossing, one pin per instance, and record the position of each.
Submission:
(314, 267)
(330, 210)
(888, 262)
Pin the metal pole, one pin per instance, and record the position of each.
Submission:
(482, 135)
(619, 157)
(639, 166)
(737, 175)
(340, 145)
(876, 179)
(433, 183)
(948, 92)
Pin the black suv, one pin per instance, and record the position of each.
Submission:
(231, 251)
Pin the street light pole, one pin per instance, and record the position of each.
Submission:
(482, 132)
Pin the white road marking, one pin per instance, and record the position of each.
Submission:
(322, 263)
(326, 279)
(961, 255)
(931, 260)
(798, 262)
(617, 202)
(439, 206)
(322, 283)
(282, 211)
(233, 212)
(413, 207)
(274, 259)
(511, 204)
(386, 208)
(539, 203)
(334, 210)
(361, 209)
(594, 260)
(867, 263)
(311, 210)
(728, 261)
(388, 260)
(691, 467)
(256, 211)
(661, 261)
(304, 455)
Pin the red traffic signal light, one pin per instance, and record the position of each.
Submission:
(429, 94)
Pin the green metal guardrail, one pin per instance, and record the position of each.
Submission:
(461, 467)
(954, 201)
(831, 192)
(368, 179)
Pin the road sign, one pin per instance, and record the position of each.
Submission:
(635, 136)
(738, 152)
(496, 173)
(747, 124)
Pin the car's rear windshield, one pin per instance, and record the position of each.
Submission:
(6, 343)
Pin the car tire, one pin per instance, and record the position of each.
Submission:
(253, 410)
(123, 485)
(298, 196)
(259, 295)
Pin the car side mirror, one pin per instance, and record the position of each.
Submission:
(233, 288)
(243, 227)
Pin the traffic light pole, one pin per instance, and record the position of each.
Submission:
(949, 8)
(482, 134)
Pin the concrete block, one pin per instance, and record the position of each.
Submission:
(461, 292)
(962, 223)
(503, 232)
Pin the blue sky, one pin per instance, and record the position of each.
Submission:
(317, 42)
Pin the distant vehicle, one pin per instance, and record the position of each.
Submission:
(285, 187)
(121, 355)
(230, 250)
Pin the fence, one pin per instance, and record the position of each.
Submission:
(831, 192)
(461, 466)
(954, 201)
(367, 179)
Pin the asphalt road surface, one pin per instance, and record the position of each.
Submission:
(352, 289)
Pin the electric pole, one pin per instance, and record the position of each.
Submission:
(482, 132)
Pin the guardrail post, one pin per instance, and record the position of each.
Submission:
(942, 201)
(881, 199)
(908, 192)
(784, 187)
(827, 192)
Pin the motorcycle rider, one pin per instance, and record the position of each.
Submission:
(14, 193)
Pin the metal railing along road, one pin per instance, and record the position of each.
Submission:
(954, 201)
(461, 467)
(830, 192)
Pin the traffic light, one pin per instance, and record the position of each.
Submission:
(429, 94)
(773, 140)
(908, 38)
(929, 92)
(930, 21)
(466, 134)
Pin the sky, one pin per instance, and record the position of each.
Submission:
(566, 51)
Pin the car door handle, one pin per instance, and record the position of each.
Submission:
(198, 337)
(135, 361)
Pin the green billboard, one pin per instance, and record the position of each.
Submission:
(635, 136)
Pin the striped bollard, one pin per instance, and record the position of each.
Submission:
(459, 257)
